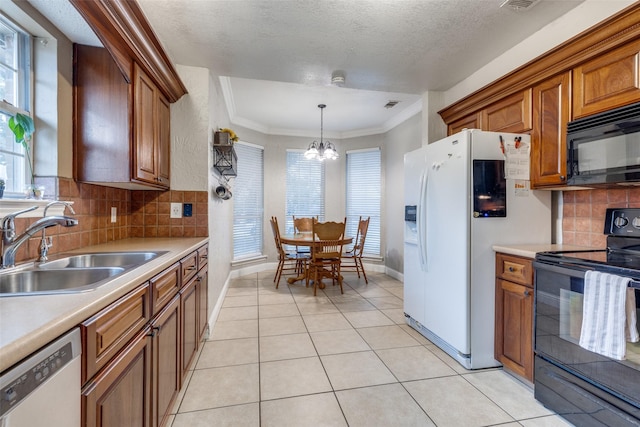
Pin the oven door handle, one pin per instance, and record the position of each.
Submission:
(576, 271)
(573, 271)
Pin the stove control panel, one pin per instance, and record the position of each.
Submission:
(622, 222)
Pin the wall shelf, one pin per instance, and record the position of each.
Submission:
(225, 160)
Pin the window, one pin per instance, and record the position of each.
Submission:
(248, 201)
(305, 188)
(364, 177)
(15, 92)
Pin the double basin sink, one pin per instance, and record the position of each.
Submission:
(70, 274)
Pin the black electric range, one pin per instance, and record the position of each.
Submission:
(584, 387)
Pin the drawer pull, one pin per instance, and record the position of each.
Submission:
(191, 268)
(511, 269)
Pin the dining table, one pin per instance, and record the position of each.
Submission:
(305, 239)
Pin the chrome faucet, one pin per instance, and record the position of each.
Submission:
(11, 242)
(44, 243)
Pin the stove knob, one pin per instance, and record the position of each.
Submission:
(636, 222)
(620, 221)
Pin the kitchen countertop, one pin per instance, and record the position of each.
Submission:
(529, 251)
(29, 322)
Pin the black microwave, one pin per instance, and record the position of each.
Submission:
(604, 149)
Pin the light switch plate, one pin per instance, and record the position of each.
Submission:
(176, 210)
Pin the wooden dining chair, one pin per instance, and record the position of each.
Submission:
(287, 261)
(352, 259)
(303, 225)
(326, 251)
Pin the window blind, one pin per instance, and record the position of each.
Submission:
(305, 188)
(364, 178)
(248, 202)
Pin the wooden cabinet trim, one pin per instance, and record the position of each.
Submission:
(125, 32)
(609, 34)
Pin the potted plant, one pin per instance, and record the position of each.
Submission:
(23, 128)
(227, 139)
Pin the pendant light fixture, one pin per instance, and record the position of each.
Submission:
(323, 150)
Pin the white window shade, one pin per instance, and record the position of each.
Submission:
(305, 188)
(364, 186)
(248, 202)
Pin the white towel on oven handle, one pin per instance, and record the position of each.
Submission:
(631, 328)
(604, 314)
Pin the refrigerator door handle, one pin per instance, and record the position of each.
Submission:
(422, 220)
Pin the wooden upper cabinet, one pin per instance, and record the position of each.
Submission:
(472, 121)
(551, 112)
(511, 114)
(121, 130)
(151, 124)
(608, 81)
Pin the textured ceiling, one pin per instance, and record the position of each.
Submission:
(277, 56)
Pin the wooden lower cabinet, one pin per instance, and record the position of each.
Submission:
(203, 297)
(189, 302)
(166, 376)
(137, 384)
(514, 314)
(120, 394)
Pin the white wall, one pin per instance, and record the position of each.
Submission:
(400, 140)
(190, 131)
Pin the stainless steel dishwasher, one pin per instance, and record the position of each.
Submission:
(44, 389)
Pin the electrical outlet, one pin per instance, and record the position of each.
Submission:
(176, 210)
(114, 212)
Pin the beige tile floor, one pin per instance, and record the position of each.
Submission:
(282, 357)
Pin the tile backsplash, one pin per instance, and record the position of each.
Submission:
(138, 214)
(583, 213)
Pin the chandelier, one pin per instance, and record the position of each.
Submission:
(323, 150)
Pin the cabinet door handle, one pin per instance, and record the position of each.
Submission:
(154, 331)
(562, 177)
(527, 293)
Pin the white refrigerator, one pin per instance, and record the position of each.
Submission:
(457, 206)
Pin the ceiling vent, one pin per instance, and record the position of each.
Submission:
(519, 4)
(391, 104)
